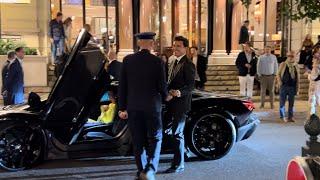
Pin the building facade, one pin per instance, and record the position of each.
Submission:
(211, 25)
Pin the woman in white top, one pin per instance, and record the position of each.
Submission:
(67, 25)
(314, 86)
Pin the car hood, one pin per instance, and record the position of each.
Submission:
(210, 94)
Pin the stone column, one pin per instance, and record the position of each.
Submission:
(237, 21)
(145, 15)
(166, 23)
(219, 55)
(125, 28)
(219, 27)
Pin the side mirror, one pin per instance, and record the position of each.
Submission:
(34, 100)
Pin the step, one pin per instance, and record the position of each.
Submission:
(224, 73)
(222, 78)
(223, 83)
(222, 68)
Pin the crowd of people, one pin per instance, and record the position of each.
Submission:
(283, 76)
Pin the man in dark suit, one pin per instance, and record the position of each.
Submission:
(142, 89)
(13, 85)
(7, 97)
(246, 63)
(181, 82)
(201, 64)
(114, 67)
(244, 33)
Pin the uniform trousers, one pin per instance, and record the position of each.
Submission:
(146, 131)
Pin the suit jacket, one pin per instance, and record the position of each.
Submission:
(242, 60)
(5, 73)
(114, 69)
(142, 83)
(202, 66)
(244, 35)
(12, 79)
(183, 80)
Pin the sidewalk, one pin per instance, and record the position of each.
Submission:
(301, 111)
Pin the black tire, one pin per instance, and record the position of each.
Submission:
(211, 136)
(21, 146)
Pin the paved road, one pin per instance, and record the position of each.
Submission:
(262, 157)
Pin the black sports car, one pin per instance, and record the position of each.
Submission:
(57, 127)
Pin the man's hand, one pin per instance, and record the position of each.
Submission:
(175, 93)
(4, 93)
(248, 65)
(51, 40)
(169, 97)
(123, 114)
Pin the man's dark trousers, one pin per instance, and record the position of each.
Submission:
(146, 126)
(178, 120)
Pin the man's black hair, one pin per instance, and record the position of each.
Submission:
(18, 49)
(59, 14)
(184, 40)
(194, 47)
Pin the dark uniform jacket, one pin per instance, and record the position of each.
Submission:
(241, 61)
(244, 35)
(183, 80)
(202, 65)
(142, 83)
(114, 69)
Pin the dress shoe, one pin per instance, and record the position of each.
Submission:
(291, 119)
(173, 169)
(147, 174)
(137, 177)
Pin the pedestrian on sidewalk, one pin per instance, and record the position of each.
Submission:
(288, 78)
(246, 63)
(5, 91)
(57, 36)
(314, 86)
(267, 68)
(67, 25)
(201, 64)
(244, 33)
(306, 49)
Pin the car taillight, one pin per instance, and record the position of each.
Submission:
(248, 104)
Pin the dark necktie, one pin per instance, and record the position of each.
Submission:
(175, 63)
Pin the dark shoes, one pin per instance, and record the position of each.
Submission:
(174, 169)
(291, 119)
(287, 119)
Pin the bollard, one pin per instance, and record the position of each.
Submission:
(312, 128)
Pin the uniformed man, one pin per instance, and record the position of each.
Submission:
(142, 89)
(181, 82)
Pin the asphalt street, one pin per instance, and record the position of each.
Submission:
(264, 156)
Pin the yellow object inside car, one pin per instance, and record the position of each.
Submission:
(107, 114)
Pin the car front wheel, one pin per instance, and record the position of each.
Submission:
(211, 136)
(21, 147)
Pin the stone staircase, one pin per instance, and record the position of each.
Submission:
(224, 79)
